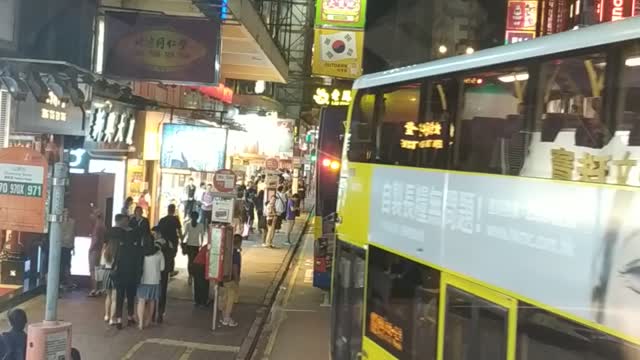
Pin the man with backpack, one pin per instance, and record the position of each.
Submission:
(281, 206)
(13, 344)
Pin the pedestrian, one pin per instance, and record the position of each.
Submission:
(250, 204)
(292, 212)
(281, 206)
(200, 283)
(140, 224)
(232, 286)
(144, 200)
(13, 343)
(68, 244)
(127, 270)
(259, 204)
(302, 192)
(272, 218)
(95, 250)
(171, 230)
(207, 205)
(190, 194)
(149, 288)
(167, 252)
(191, 241)
(126, 207)
(106, 262)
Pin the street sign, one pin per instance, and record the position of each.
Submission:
(23, 189)
(224, 181)
(271, 164)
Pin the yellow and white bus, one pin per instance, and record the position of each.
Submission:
(489, 205)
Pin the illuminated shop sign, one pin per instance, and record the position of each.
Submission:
(590, 168)
(112, 126)
(386, 331)
(614, 10)
(429, 136)
(54, 109)
(522, 19)
(332, 97)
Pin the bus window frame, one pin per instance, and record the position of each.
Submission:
(448, 280)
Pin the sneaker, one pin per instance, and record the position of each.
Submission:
(231, 323)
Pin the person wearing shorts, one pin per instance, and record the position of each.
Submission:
(95, 250)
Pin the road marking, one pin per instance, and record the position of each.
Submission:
(186, 354)
(191, 346)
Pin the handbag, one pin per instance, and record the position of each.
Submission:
(100, 271)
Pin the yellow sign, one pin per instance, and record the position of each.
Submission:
(382, 328)
(591, 168)
(424, 130)
(332, 97)
(338, 53)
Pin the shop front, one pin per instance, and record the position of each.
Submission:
(48, 128)
(99, 171)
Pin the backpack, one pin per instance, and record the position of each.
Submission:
(12, 353)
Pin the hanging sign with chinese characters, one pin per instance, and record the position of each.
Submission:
(53, 116)
(522, 19)
(341, 13)
(112, 127)
(427, 135)
(332, 97)
(160, 47)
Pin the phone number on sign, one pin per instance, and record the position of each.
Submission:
(20, 189)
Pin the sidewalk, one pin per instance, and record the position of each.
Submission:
(299, 321)
(186, 332)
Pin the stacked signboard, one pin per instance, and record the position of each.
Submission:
(339, 38)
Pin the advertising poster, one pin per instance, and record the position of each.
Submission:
(23, 190)
(513, 37)
(159, 47)
(535, 238)
(264, 136)
(214, 258)
(522, 15)
(342, 13)
(188, 147)
(338, 53)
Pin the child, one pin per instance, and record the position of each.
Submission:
(149, 289)
(232, 286)
(13, 344)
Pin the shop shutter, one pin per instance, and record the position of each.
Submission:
(5, 111)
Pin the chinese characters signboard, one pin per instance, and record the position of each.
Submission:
(332, 97)
(23, 189)
(522, 17)
(112, 128)
(426, 135)
(338, 53)
(342, 13)
(614, 10)
(53, 117)
(152, 47)
(385, 330)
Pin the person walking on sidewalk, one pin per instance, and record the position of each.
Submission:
(167, 252)
(95, 250)
(292, 212)
(281, 206)
(140, 224)
(13, 344)
(171, 230)
(192, 240)
(232, 287)
(106, 263)
(272, 218)
(259, 204)
(68, 243)
(127, 270)
(207, 205)
(149, 288)
(200, 283)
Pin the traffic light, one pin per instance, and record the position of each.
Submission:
(330, 164)
(312, 156)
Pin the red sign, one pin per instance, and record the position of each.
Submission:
(522, 15)
(614, 10)
(513, 37)
(271, 164)
(23, 190)
(224, 180)
(219, 92)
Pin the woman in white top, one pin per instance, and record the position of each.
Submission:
(192, 240)
(106, 265)
(149, 288)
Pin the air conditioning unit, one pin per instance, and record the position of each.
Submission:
(5, 115)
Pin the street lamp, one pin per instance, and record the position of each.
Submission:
(442, 49)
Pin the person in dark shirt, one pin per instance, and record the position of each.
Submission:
(250, 204)
(171, 230)
(190, 203)
(127, 270)
(13, 344)
(168, 253)
(140, 223)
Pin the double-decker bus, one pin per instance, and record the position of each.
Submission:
(489, 205)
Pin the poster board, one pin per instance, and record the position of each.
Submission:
(222, 210)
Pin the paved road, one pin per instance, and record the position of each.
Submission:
(298, 327)
(186, 333)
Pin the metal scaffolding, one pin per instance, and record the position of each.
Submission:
(290, 23)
